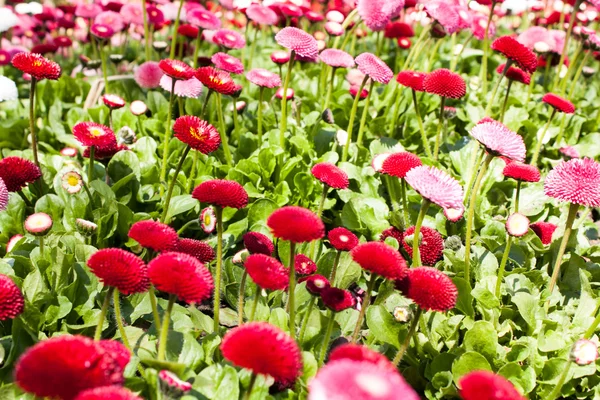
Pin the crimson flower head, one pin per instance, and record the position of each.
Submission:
(197, 133)
(113, 101)
(436, 186)
(315, 284)
(485, 385)
(267, 272)
(280, 57)
(296, 224)
(337, 58)
(342, 239)
(430, 289)
(229, 39)
(154, 235)
(227, 63)
(263, 78)
(398, 164)
(412, 79)
(94, 134)
(188, 30)
(196, 248)
(181, 275)
(36, 65)
(381, 259)
(445, 83)
(11, 299)
(331, 175)
(559, 103)
(221, 193)
(575, 181)
(120, 269)
(515, 74)
(521, 172)
(392, 232)
(544, 230)
(17, 172)
(176, 69)
(102, 31)
(304, 265)
(512, 49)
(337, 299)
(398, 29)
(217, 80)
(359, 352)
(108, 393)
(298, 41)
(348, 379)
(257, 243)
(64, 366)
(264, 349)
(431, 245)
(372, 66)
(499, 140)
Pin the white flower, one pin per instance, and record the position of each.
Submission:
(8, 88)
(29, 8)
(8, 19)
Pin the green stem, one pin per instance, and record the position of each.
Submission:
(223, 132)
(530, 89)
(486, 45)
(311, 305)
(572, 63)
(592, 329)
(163, 170)
(104, 69)
(330, 88)
(164, 332)
(345, 25)
(389, 184)
(471, 215)
(172, 184)
(32, 121)
(147, 38)
(254, 303)
(517, 195)
(192, 176)
(503, 265)
(505, 102)
(325, 343)
(236, 124)
(336, 262)
(217, 296)
(416, 259)
(363, 309)
(250, 387)
(292, 290)
(458, 56)
(154, 305)
(241, 296)
(403, 190)
(563, 244)
(41, 241)
(565, 49)
(175, 31)
(540, 141)
(261, 93)
(119, 318)
(414, 48)
(363, 119)
(488, 109)
(476, 159)
(196, 49)
(409, 335)
(313, 244)
(420, 121)
(286, 85)
(352, 117)
(103, 310)
(91, 164)
(433, 55)
(438, 134)
(578, 74)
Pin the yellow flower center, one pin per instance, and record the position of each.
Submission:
(96, 132)
(216, 80)
(197, 133)
(72, 180)
(207, 219)
(37, 63)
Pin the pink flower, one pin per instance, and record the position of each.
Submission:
(112, 19)
(478, 25)
(191, 88)
(227, 63)
(132, 13)
(229, 39)
(444, 14)
(203, 19)
(371, 65)
(537, 34)
(499, 140)
(436, 186)
(377, 13)
(263, 78)
(575, 181)
(337, 58)
(298, 41)
(262, 15)
(148, 75)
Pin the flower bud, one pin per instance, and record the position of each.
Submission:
(85, 227)
(584, 352)
(403, 314)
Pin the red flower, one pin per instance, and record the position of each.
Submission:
(575, 181)
(264, 349)
(404, 43)
(337, 58)
(304, 265)
(197, 133)
(315, 284)
(397, 29)
(358, 352)
(485, 385)
(257, 243)
(445, 83)
(17, 172)
(105, 152)
(154, 235)
(174, 383)
(372, 66)
(521, 172)
(189, 31)
(515, 74)
(229, 39)
(36, 65)
(280, 57)
(176, 69)
(227, 63)
(120, 269)
(342, 239)
(298, 41)
(380, 258)
(182, 275)
(330, 175)
(515, 51)
(392, 232)
(431, 247)
(113, 101)
(221, 193)
(398, 164)
(412, 79)
(337, 299)
(117, 351)
(217, 80)
(559, 103)
(94, 134)
(296, 224)
(11, 299)
(263, 78)
(430, 289)
(267, 272)
(544, 230)
(44, 48)
(64, 366)
(108, 393)
(196, 248)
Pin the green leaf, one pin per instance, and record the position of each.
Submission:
(469, 361)
(383, 325)
(483, 339)
(465, 301)
(218, 382)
